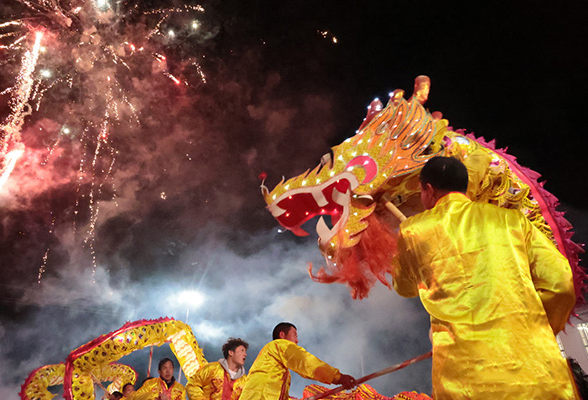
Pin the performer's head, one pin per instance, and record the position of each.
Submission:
(442, 175)
(128, 389)
(166, 369)
(285, 330)
(235, 351)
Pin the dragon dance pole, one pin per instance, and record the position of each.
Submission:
(97, 382)
(366, 378)
(150, 359)
(394, 210)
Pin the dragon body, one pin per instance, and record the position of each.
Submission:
(94, 361)
(35, 387)
(377, 169)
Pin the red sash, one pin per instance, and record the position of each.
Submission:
(227, 387)
(164, 388)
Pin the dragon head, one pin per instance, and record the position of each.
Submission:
(377, 170)
(392, 141)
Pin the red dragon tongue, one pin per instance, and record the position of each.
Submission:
(298, 231)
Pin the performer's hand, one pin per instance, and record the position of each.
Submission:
(347, 381)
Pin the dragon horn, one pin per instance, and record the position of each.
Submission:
(264, 190)
(422, 85)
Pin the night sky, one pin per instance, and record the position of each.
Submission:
(181, 208)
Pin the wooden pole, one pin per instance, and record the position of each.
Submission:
(394, 210)
(150, 359)
(366, 378)
(97, 382)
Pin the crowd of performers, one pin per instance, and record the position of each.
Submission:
(225, 379)
(497, 291)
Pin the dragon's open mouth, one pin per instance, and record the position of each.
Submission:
(331, 198)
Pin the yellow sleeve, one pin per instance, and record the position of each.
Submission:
(197, 382)
(178, 391)
(144, 392)
(552, 277)
(238, 387)
(308, 366)
(403, 270)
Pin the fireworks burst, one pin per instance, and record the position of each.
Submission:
(78, 65)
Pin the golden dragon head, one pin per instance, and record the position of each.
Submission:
(393, 141)
(377, 169)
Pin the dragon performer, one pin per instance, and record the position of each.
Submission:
(93, 362)
(369, 183)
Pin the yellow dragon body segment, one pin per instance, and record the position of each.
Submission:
(355, 184)
(35, 387)
(94, 360)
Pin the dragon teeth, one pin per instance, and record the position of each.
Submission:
(324, 232)
(319, 197)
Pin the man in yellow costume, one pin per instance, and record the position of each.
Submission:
(127, 390)
(224, 379)
(496, 288)
(269, 376)
(163, 388)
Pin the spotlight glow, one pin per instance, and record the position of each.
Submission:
(191, 298)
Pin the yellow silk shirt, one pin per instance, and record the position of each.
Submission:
(269, 376)
(210, 381)
(497, 290)
(153, 387)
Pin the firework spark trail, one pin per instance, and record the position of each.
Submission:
(90, 51)
(43, 266)
(96, 189)
(10, 161)
(19, 110)
(16, 43)
(22, 92)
